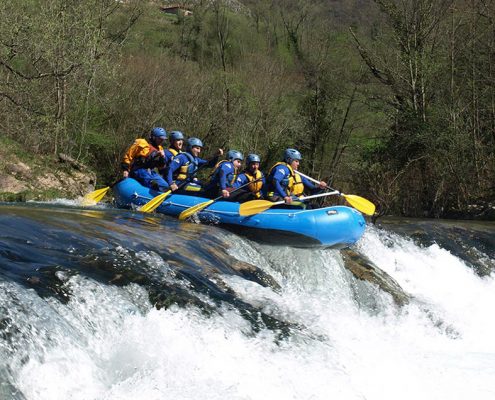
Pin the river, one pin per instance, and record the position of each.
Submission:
(111, 304)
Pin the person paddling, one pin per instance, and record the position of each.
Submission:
(184, 166)
(224, 175)
(284, 182)
(143, 156)
(176, 143)
(252, 174)
(175, 147)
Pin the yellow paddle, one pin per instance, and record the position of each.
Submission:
(258, 206)
(198, 207)
(154, 203)
(358, 202)
(95, 196)
(194, 209)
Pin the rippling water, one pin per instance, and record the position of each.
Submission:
(110, 304)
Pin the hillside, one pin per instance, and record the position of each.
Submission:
(24, 176)
(391, 100)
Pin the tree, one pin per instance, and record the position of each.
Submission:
(434, 74)
(49, 58)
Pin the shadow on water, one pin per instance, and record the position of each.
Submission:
(177, 263)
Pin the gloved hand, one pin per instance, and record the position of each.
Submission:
(157, 158)
(154, 185)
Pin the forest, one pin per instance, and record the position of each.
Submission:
(393, 100)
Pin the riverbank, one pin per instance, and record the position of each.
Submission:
(25, 176)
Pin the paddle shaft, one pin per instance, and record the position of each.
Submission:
(316, 181)
(110, 186)
(314, 196)
(198, 207)
(239, 188)
(358, 202)
(95, 196)
(156, 201)
(258, 206)
(115, 182)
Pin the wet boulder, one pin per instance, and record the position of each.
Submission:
(363, 269)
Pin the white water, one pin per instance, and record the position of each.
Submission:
(109, 343)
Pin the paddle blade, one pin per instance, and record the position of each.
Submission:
(94, 197)
(154, 203)
(360, 203)
(193, 210)
(254, 207)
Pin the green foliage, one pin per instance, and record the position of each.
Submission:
(11, 146)
(29, 195)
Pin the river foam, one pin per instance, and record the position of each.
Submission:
(109, 342)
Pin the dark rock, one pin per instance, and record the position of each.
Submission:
(72, 162)
(362, 268)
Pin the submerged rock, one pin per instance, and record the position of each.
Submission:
(246, 270)
(362, 268)
(177, 264)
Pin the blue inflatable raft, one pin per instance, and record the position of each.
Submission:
(336, 226)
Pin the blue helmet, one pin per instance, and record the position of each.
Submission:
(291, 154)
(234, 155)
(194, 141)
(159, 132)
(252, 158)
(176, 135)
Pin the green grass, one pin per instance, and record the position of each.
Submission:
(9, 147)
(27, 195)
